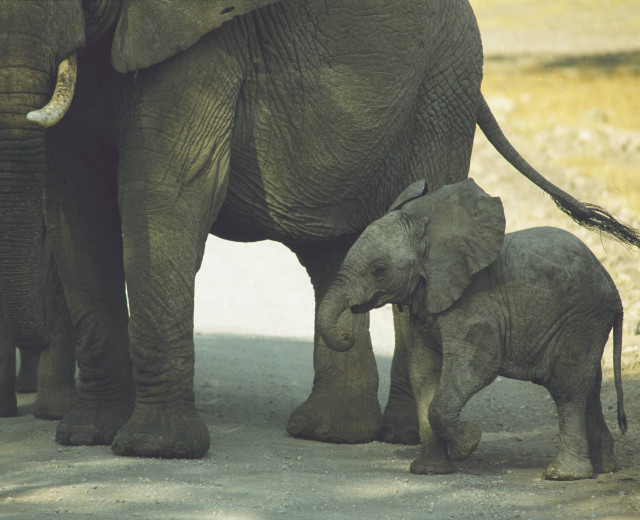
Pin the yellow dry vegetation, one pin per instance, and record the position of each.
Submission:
(586, 96)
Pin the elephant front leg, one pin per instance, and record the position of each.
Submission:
(467, 367)
(173, 175)
(83, 228)
(164, 231)
(425, 365)
(343, 406)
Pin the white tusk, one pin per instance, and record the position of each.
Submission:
(55, 110)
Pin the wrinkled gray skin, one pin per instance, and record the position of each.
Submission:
(299, 122)
(534, 305)
(50, 373)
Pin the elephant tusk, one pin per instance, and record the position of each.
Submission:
(55, 110)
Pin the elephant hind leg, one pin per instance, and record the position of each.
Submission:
(598, 434)
(572, 461)
(343, 406)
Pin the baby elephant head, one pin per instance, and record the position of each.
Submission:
(423, 254)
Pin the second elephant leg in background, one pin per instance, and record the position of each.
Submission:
(83, 225)
(56, 384)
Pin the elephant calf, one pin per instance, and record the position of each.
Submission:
(534, 305)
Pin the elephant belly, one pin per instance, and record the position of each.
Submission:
(322, 129)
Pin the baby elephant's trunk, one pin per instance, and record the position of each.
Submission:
(335, 320)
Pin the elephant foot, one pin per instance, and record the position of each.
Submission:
(569, 467)
(432, 463)
(332, 417)
(153, 431)
(53, 404)
(93, 423)
(464, 444)
(400, 422)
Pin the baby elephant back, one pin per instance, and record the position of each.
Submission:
(560, 264)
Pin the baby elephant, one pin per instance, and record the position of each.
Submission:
(534, 305)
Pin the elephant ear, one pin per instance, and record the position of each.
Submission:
(464, 231)
(150, 31)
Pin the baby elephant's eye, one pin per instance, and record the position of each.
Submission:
(379, 271)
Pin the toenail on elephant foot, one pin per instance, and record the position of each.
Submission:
(464, 444)
(432, 464)
(297, 425)
(330, 420)
(152, 432)
(569, 467)
(92, 423)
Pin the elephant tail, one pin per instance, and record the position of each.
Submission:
(588, 215)
(617, 370)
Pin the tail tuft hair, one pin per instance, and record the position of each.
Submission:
(600, 220)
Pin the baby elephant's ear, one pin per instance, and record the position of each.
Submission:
(150, 31)
(465, 235)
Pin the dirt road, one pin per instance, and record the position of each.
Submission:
(253, 367)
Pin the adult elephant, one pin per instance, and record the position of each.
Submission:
(296, 121)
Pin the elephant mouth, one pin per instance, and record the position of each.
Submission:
(362, 308)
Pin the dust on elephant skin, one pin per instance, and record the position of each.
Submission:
(534, 305)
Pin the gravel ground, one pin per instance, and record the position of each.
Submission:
(253, 367)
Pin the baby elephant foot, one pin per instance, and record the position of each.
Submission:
(154, 431)
(91, 423)
(569, 467)
(432, 461)
(465, 443)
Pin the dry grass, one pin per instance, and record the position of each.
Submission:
(594, 98)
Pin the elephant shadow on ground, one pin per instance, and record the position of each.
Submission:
(251, 383)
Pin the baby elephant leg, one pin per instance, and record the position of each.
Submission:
(599, 437)
(463, 374)
(424, 369)
(572, 461)
(575, 387)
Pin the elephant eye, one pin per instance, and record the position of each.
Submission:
(379, 271)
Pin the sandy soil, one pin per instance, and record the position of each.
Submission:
(253, 366)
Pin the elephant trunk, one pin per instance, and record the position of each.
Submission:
(21, 234)
(22, 166)
(336, 323)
